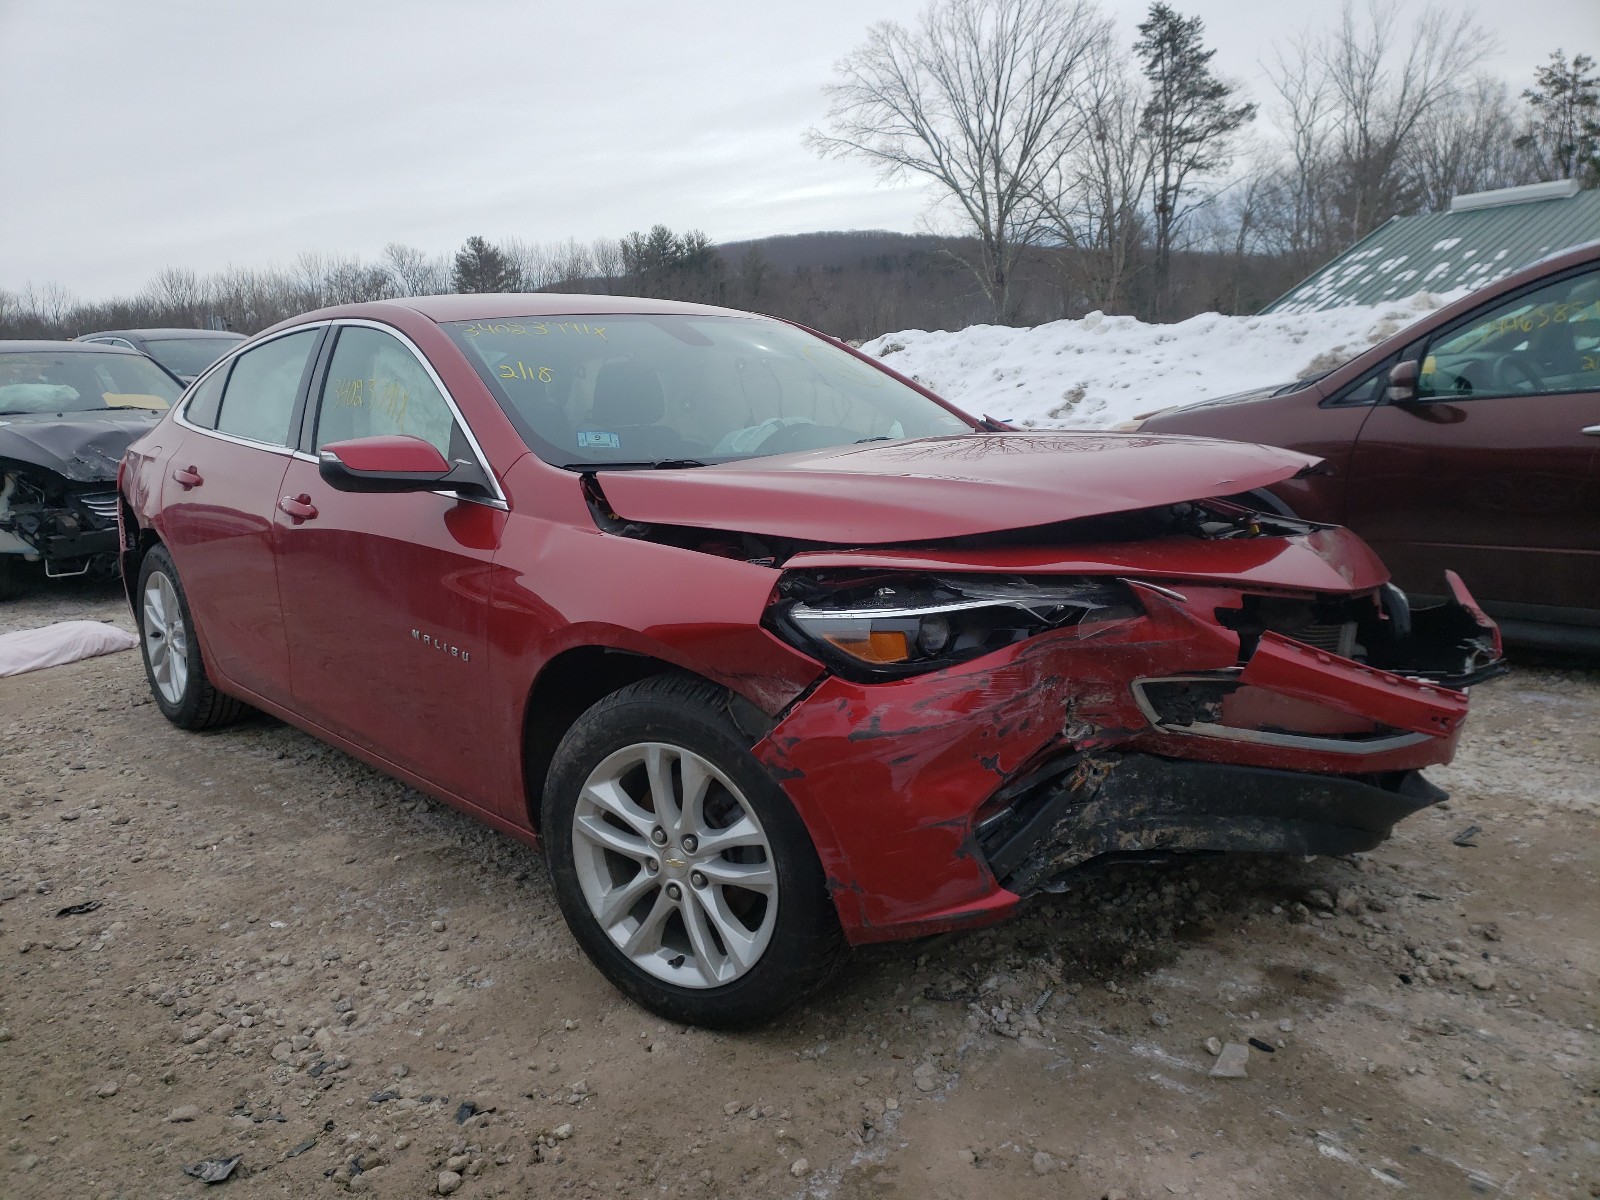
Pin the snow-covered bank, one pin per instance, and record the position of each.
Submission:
(1099, 370)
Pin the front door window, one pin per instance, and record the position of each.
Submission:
(1543, 342)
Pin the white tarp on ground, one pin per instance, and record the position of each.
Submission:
(58, 644)
(1100, 370)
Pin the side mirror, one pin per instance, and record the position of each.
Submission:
(394, 463)
(1402, 383)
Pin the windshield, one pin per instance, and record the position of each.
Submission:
(687, 390)
(82, 381)
(189, 356)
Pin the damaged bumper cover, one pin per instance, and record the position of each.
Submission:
(941, 800)
(1138, 804)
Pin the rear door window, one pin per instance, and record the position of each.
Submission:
(258, 402)
(202, 407)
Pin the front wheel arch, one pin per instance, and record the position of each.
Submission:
(567, 687)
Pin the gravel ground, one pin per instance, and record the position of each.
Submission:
(299, 962)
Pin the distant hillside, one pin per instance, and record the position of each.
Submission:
(831, 248)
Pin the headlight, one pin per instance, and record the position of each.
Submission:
(889, 627)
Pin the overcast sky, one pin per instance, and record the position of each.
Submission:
(137, 135)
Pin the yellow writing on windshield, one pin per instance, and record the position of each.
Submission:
(523, 371)
(474, 329)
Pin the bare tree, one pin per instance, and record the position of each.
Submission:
(414, 273)
(606, 255)
(176, 295)
(1469, 145)
(1091, 204)
(1300, 205)
(978, 98)
(1387, 82)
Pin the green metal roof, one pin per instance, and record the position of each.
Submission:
(1446, 251)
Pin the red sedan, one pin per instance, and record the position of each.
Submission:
(770, 648)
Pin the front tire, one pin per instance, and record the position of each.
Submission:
(172, 660)
(681, 867)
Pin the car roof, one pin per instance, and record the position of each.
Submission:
(22, 347)
(484, 305)
(165, 333)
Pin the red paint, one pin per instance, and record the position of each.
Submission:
(1326, 561)
(389, 452)
(946, 487)
(413, 629)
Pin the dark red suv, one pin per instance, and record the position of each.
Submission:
(771, 649)
(1469, 440)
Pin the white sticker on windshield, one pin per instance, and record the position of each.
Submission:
(589, 440)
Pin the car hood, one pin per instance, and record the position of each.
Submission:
(946, 487)
(1260, 393)
(84, 447)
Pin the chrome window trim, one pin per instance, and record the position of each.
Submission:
(182, 406)
(1397, 741)
(498, 500)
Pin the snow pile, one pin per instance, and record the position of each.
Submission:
(1100, 370)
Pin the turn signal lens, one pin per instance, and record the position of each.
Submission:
(876, 647)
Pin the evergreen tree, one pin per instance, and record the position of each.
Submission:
(481, 267)
(1188, 119)
(1564, 125)
(662, 264)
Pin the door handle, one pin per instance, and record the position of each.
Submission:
(1593, 430)
(298, 507)
(187, 476)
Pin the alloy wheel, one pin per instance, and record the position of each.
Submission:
(166, 638)
(674, 865)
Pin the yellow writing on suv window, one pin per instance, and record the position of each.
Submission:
(523, 371)
(1544, 314)
(473, 329)
(386, 396)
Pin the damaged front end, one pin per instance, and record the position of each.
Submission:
(69, 525)
(982, 736)
(58, 489)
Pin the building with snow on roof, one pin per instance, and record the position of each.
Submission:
(1480, 238)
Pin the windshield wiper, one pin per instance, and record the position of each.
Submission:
(654, 464)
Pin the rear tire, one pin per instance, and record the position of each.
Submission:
(681, 867)
(172, 659)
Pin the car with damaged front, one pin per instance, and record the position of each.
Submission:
(772, 650)
(67, 412)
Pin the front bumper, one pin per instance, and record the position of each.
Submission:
(1137, 804)
(939, 801)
